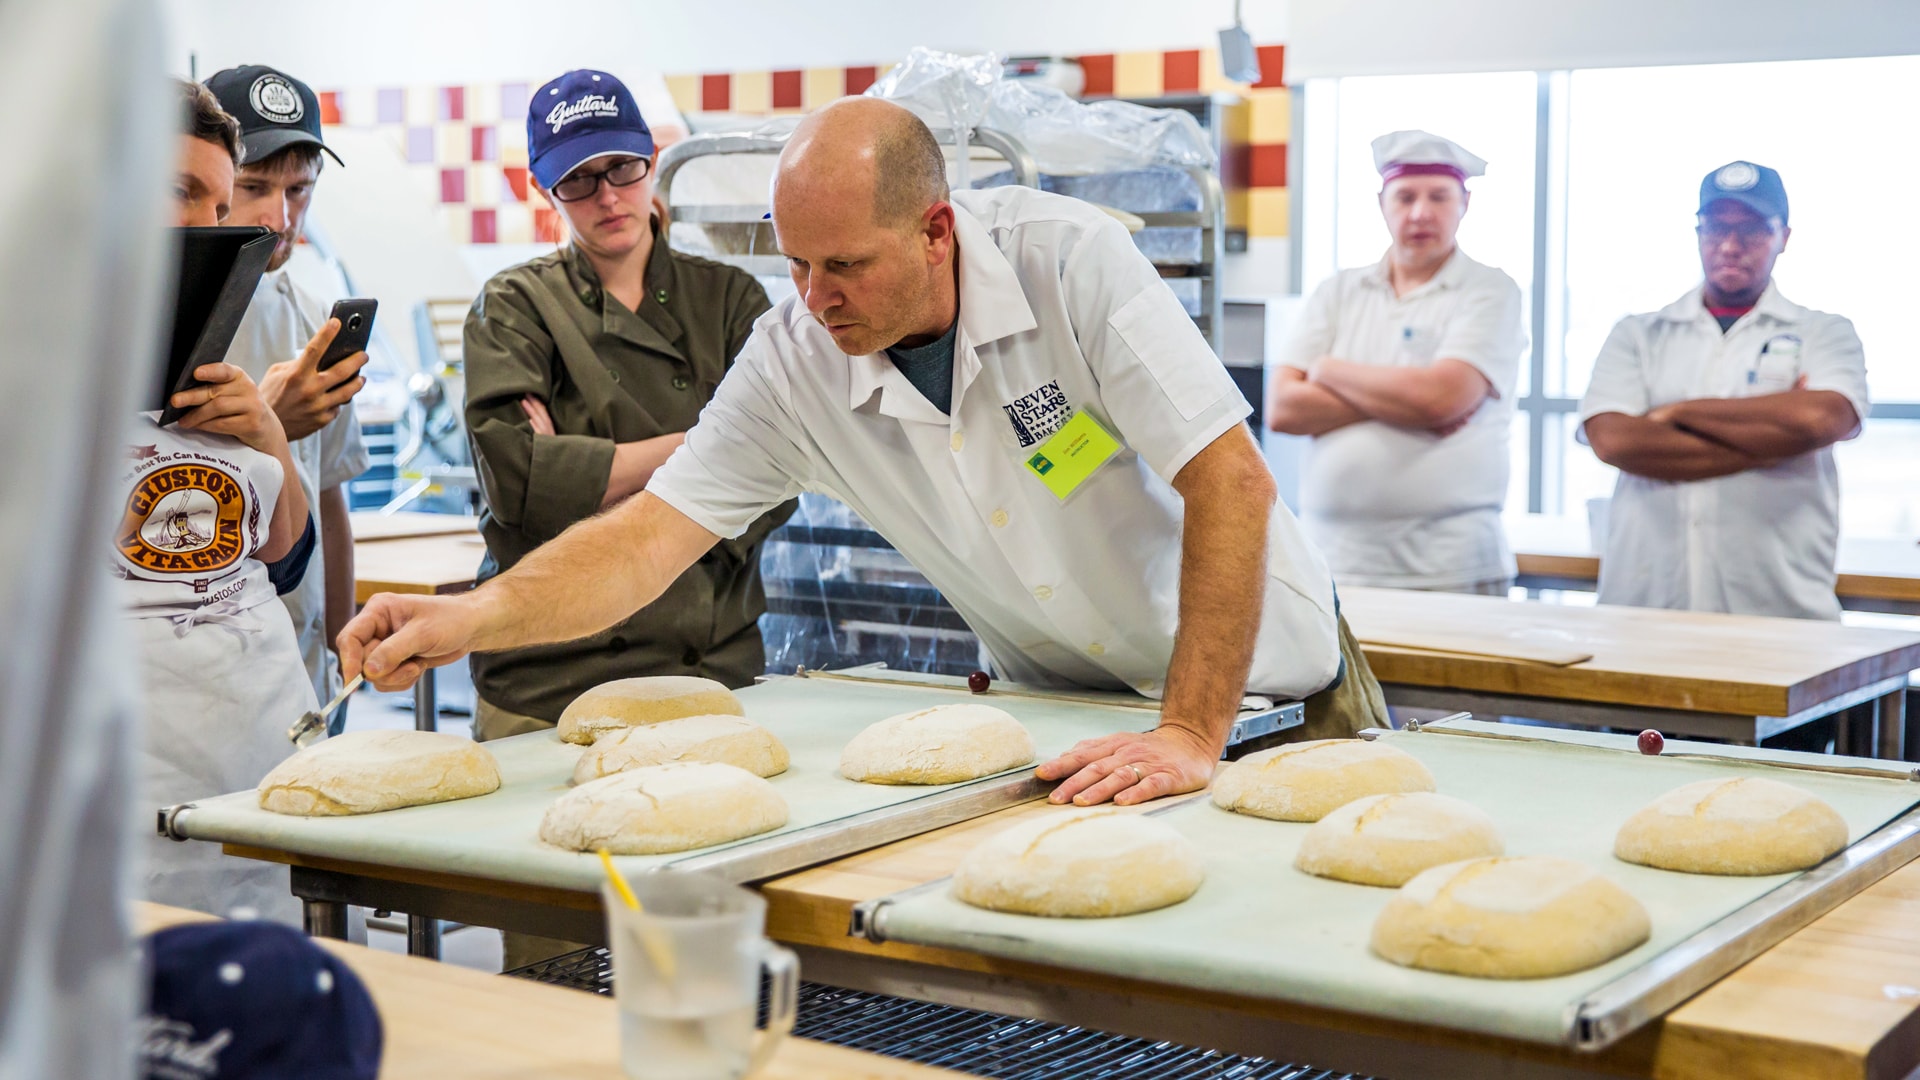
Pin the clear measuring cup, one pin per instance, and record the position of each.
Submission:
(686, 975)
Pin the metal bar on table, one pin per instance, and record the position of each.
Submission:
(426, 703)
(423, 937)
(1433, 727)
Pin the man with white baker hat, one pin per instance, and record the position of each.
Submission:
(1403, 372)
(1000, 383)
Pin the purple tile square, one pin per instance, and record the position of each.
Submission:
(513, 103)
(392, 106)
(420, 145)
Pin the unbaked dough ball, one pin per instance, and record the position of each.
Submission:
(365, 772)
(730, 740)
(664, 808)
(1307, 781)
(1082, 864)
(942, 745)
(1387, 839)
(625, 703)
(1519, 918)
(1749, 825)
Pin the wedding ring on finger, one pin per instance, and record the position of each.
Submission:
(1137, 774)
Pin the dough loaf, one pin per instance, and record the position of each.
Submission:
(1307, 781)
(1519, 918)
(625, 703)
(1387, 839)
(1081, 864)
(664, 808)
(942, 745)
(365, 772)
(730, 740)
(1749, 825)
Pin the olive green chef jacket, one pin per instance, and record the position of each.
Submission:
(608, 375)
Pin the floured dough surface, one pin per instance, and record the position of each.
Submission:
(942, 745)
(1387, 839)
(1510, 918)
(664, 808)
(1745, 826)
(730, 740)
(625, 703)
(365, 772)
(1082, 864)
(1307, 781)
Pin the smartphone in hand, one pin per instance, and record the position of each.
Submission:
(356, 330)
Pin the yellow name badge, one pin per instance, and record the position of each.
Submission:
(1074, 453)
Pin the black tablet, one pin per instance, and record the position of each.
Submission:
(219, 269)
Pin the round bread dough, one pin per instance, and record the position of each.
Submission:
(1519, 918)
(1387, 839)
(730, 740)
(1084, 865)
(1749, 825)
(365, 772)
(625, 703)
(664, 808)
(1307, 781)
(942, 745)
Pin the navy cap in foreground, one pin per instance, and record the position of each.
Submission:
(580, 116)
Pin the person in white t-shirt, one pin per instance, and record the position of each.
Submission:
(1721, 411)
(1002, 385)
(1404, 372)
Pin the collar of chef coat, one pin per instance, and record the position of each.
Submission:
(992, 306)
(1771, 305)
(1448, 276)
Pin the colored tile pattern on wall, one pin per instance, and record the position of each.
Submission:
(467, 145)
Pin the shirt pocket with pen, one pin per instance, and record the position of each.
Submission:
(1776, 368)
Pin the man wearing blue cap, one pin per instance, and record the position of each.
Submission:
(1720, 411)
(585, 368)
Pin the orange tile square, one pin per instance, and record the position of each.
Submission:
(1138, 74)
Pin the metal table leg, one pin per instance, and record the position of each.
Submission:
(426, 703)
(1890, 725)
(423, 937)
(325, 918)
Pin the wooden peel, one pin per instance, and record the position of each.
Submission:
(1468, 645)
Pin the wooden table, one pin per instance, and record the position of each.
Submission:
(422, 565)
(442, 1021)
(401, 524)
(1738, 677)
(1875, 573)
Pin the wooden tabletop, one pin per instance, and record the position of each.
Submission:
(446, 1021)
(1688, 660)
(419, 564)
(1870, 568)
(374, 525)
(1840, 998)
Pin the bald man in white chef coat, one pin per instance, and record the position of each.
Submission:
(1403, 372)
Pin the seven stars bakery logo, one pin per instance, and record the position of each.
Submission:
(186, 519)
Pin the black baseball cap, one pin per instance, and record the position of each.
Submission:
(1755, 187)
(275, 110)
(580, 116)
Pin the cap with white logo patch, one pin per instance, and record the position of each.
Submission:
(1755, 187)
(275, 110)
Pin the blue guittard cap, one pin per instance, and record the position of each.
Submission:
(1756, 187)
(579, 116)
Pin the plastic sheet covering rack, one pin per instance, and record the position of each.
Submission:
(1259, 928)
(481, 860)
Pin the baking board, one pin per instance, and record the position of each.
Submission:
(496, 836)
(1259, 928)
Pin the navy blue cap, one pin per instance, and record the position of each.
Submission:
(245, 1000)
(582, 115)
(1755, 187)
(275, 110)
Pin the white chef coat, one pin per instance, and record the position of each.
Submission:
(1059, 313)
(1408, 509)
(281, 320)
(1760, 542)
(221, 674)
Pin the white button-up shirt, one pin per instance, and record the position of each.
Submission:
(1760, 542)
(1059, 313)
(1409, 509)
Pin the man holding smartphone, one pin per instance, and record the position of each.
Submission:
(286, 333)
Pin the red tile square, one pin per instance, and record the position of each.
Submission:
(716, 93)
(330, 107)
(516, 181)
(484, 226)
(786, 89)
(1272, 66)
(453, 185)
(547, 227)
(1099, 73)
(453, 103)
(859, 78)
(1267, 166)
(1180, 72)
(486, 142)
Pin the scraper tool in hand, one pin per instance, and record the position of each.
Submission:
(312, 725)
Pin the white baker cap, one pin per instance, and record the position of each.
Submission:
(1403, 153)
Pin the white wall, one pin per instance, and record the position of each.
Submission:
(413, 42)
